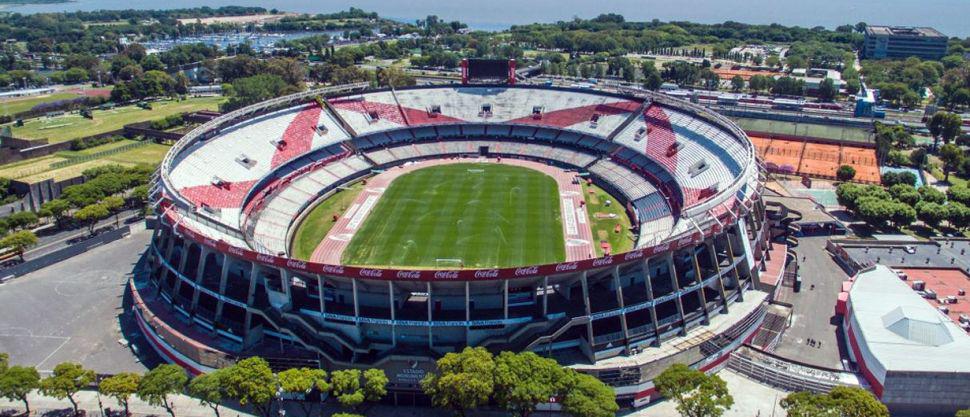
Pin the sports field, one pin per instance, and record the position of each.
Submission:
(470, 215)
(72, 126)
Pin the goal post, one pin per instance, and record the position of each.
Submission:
(449, 263)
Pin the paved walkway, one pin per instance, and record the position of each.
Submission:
(186, 406)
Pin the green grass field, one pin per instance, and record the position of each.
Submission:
(73, 126)
(604, 219)
(805, 129)
(22, 104)
(486, 215)
(319, 221)
(39, 169)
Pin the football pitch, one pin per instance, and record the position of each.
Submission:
(463, 215)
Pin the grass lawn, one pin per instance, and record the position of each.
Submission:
(22, 104)
(486, 215)
(604, 219)
(805, 129)
(73, 126)
(39, 169)
(319, 221)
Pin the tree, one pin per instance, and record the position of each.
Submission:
(67, 379)
(16, 382)
(19, 241)
(4, 361)
(737, 83)
(208, 388)
(302, 381)
(524, 380)
(840, 402)
(952, 157)
(251, 381)
(931, 213)
(22, 219)
(58, 208)
(120, 387)
(652, 81)
(845, 173)
(696, 393)
(586, 396)
(114, 204)
(464, 380)
(931, 195)
(346, 387)
(827, 90)
(944, 125)
(375, 384)
(91, 214)
(262, 87)
(959, 193)
(161, 382)
(918, 157)
(394, 77)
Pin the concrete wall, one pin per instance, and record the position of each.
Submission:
(926, 393)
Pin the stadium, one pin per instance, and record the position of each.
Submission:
(616, 231)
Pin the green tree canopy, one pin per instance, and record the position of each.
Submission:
(251, 381)
(67, 379)
(91, 214)
(586, 396)
(952, 157)
(159, 383)
(301, 381)
(120, 387)
(840, 402)
(346, 387)
(208, 389)
(525, 380)
(16, 382)
(463, 381)
(845, 173)
(696, 393)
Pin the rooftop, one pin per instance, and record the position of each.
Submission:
(945, 282)
(903, 31)
(898, 326)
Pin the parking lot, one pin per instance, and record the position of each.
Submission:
(74, 311)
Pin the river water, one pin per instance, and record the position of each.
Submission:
(949, 16)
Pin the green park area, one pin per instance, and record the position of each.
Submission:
(605, 220)
(16, 105)
(69, 164)
(72, 126)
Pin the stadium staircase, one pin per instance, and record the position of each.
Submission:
(782, 219)
(400, 108)
(559, 331)
(336, 115)
(633, 116)
(523, 334)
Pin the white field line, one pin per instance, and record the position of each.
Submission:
(362, 212)
(569, 217)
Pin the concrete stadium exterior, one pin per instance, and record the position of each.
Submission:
(230, 194)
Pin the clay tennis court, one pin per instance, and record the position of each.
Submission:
(821, 160)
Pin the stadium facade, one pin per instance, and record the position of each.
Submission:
(229, 195)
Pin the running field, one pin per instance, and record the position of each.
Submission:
(471, 215)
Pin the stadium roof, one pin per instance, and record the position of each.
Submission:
(902, 330)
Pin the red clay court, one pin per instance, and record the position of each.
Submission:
(945, 282)
(820, 160)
